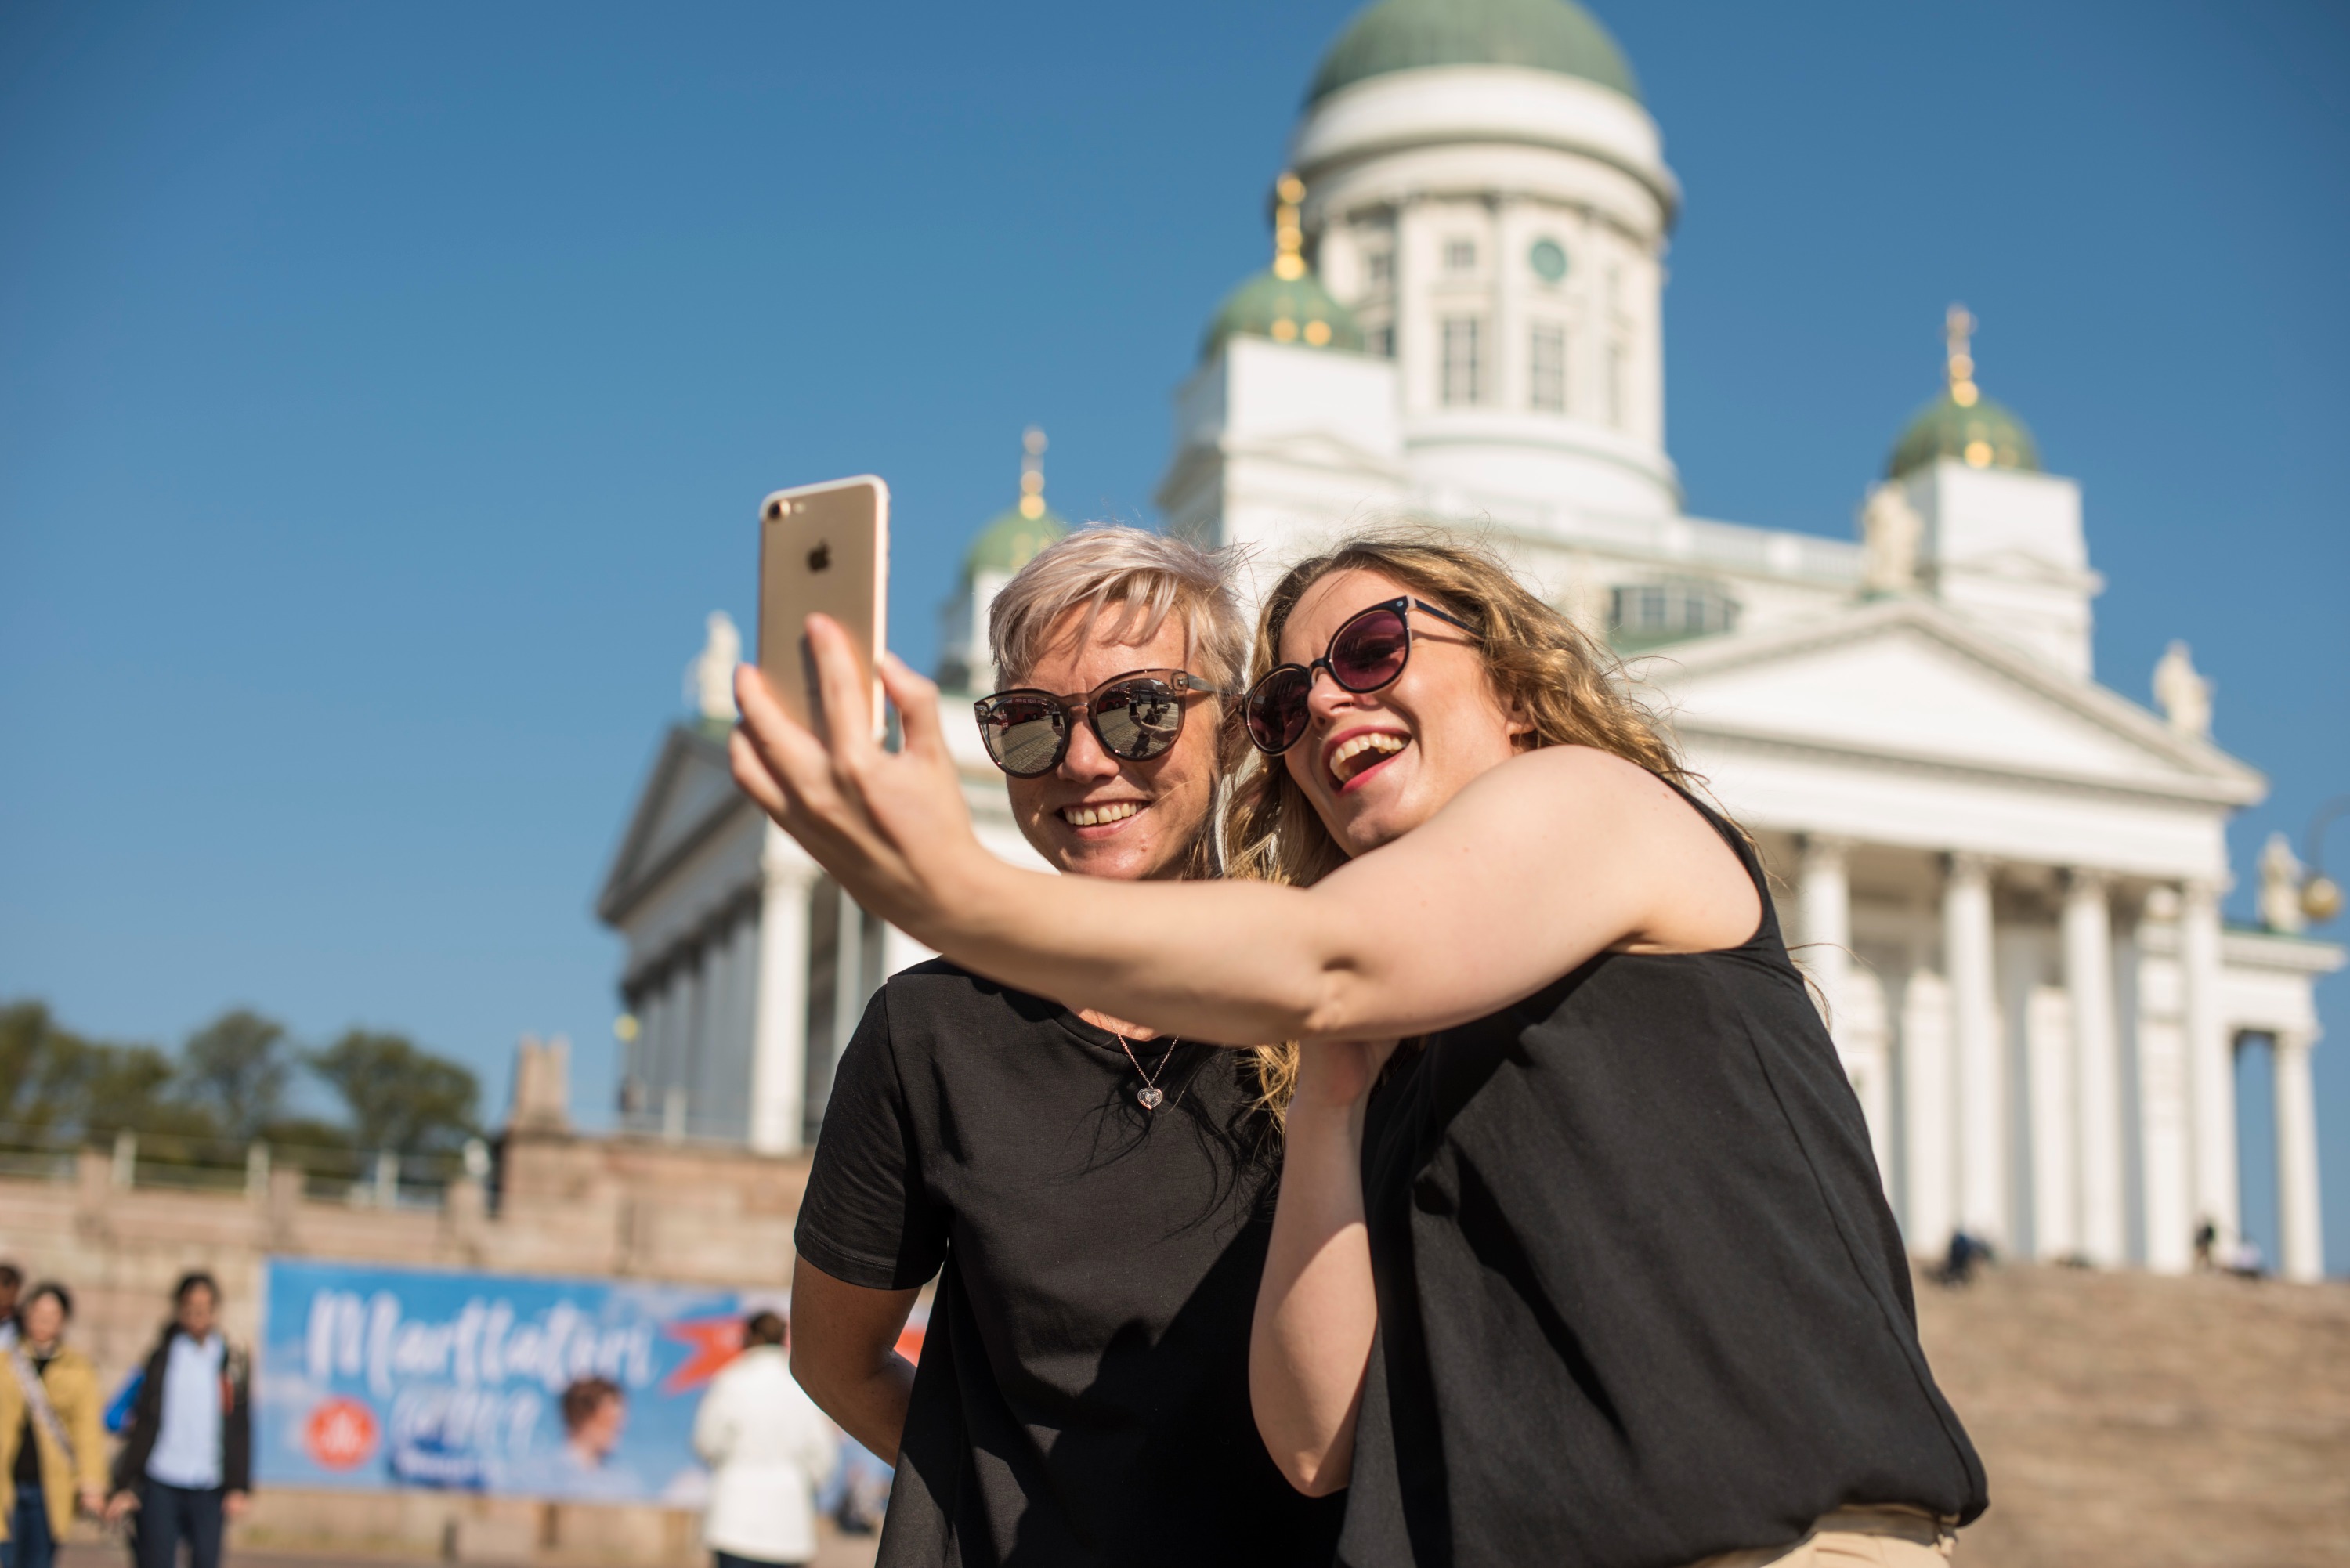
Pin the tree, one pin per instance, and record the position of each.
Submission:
(236, 1067)
(54, 1079)
(400, 1097)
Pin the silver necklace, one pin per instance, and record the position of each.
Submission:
(1150, 1095)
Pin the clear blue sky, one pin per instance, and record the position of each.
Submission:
(385, 392)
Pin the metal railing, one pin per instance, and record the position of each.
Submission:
(363, 1178)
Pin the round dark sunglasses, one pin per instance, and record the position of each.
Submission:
(1136, 716)
(1365, 654)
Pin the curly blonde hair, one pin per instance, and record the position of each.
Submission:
(1542, 666)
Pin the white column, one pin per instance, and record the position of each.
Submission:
(2211, 1055)
(1827, 912)
(2166, 1135)
(1974, 1039)
(2301, 1240)
(1417, 351)
(1856, 1012)
(2097, 1057)
(1929, 1115)
(2053, 1084)
(779, 1053)
(678, 1105)
(1507, 390)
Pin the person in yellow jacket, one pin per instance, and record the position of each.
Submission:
(52, 1451)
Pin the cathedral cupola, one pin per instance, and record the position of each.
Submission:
(1537, 34)
(1008, 541)
(1962, 424)
(1285, 303)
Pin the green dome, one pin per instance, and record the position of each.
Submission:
(1011, 540)
(1285, 309)
(1984, 434)
(1543, 35)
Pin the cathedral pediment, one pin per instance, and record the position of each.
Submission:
(1906, 681)
(690, 796)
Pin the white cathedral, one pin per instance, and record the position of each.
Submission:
(2005, 877)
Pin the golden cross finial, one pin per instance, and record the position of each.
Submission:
(1288, 239)
(1958, 328)
(1032, 472)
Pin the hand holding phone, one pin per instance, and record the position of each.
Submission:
(823, 548)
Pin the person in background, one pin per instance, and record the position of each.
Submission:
(186, 1463)
(768, 1449)
(52, 1454)
(11, 1280)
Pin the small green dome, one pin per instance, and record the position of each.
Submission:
(1981, 434)
(1011, 540)
(1543, 34)
(1285, 309)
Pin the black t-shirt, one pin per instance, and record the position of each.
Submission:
(1641, 1299)
(1083, 1391)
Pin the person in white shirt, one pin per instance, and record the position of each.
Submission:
(186, 1462)
(768, 1449)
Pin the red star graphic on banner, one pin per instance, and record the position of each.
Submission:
(713, 1342)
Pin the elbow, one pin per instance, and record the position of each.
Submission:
(809, 1373)
(1316, 1475)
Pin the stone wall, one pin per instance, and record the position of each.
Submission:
(564, 1204)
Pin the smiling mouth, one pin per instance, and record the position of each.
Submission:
(1360, 753)
(1100, 816)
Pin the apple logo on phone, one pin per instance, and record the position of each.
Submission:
(820, 558)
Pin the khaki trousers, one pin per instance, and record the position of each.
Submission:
(1850, 1537)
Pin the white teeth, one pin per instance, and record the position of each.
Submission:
(1387, 745)
(1096, 815)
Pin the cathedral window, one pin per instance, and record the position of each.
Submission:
(1617, 400)
(1642, 613)
(1381, 341)
(1465, 371)
(1460, 256)
(1547, 368)
(1379, 270)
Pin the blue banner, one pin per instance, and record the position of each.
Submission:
(375, 1378)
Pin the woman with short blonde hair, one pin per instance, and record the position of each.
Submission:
(1092, 1195)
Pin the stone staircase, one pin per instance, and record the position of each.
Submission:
(2135, 1420)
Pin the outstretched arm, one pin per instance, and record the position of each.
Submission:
(1310, 1344)
(1535, 867)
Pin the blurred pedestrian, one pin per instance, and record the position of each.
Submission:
(768, 1449)
(52, 1454)
(186, 1463)
(11, 1280)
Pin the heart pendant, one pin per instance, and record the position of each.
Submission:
(1150, 1098)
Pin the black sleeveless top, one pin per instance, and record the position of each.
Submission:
(1641, 1298)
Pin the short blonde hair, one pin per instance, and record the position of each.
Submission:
(1146, 578)
(1149, 576)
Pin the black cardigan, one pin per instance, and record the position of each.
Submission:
(147, 1418)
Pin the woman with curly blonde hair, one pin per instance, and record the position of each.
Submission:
(1596, 1268)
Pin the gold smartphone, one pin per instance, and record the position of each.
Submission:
(823, 547)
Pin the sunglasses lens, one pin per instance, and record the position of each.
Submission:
(1025, 735)
(1277, 710)
(1369, 650)
(1138, 720)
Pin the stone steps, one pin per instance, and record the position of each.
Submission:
(2129, 1418)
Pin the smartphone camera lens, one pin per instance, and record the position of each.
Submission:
(775, 510)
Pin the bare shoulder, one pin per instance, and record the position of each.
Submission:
(1644, 837)
(1597, 779)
